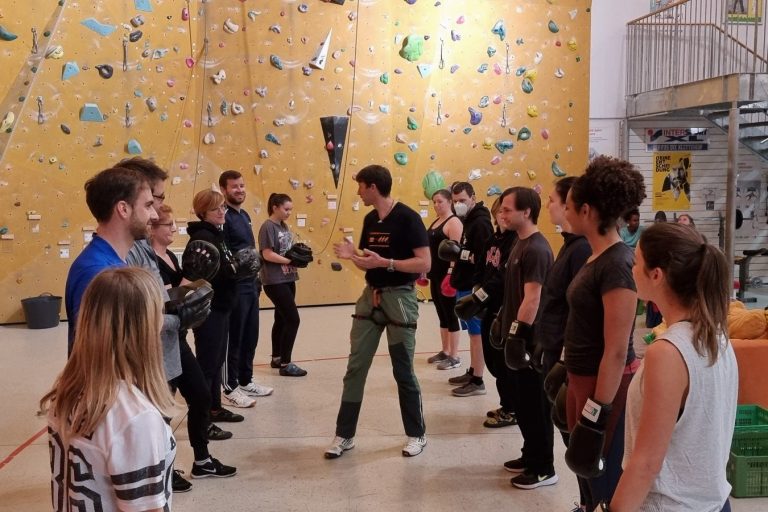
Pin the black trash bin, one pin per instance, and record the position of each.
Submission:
(42, 312)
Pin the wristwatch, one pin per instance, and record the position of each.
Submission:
(391, 266)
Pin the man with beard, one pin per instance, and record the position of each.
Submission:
(244, 322)
(121, 201)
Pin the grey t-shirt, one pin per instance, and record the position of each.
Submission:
(584, 342)
(278, 238)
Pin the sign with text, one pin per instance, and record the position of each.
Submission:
(676, 139)
(672, 180)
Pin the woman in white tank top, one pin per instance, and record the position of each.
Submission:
(681, 405)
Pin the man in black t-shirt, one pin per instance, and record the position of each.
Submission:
(395, 250)
(527, 267)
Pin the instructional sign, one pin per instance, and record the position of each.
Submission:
(672, 180)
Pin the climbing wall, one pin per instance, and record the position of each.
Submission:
(296, 96)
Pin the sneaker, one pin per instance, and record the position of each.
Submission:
(291, 370)
(469, 389)
(339, 446)
(515, 466)
(225, 416)
(179, 483)
(503, 419)
(237, 398)
(449, 363)
(440, 356)
(461, 379)
(533, 480)
(214, 433)
(414, 446)
(493, 413)
(212, 468)
(274, 362)
(253, 389)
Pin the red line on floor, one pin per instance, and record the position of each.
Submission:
(21, 448)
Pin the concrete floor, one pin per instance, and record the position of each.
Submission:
(279, 448)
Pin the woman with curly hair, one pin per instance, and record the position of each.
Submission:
(602, 298)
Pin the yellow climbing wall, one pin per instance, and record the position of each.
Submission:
(200, 90)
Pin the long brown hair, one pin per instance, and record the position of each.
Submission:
(697, 274)
(117, 339)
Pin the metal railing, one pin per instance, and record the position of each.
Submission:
(693, 40)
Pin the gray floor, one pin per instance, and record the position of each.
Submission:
(278, 449)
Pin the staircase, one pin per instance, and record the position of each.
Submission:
(753, 126)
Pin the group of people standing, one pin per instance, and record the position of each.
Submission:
(555, 332)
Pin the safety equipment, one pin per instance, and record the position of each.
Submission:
(300, 255)
(556, 377)
(247, 263)
(537, 358)
(559, 410)
(471, 305)
(190, 302)
(449, 250)
(584, 454)
(200, 260)
(460, 209)
(494, 335)
(445, 287)
(516, 341)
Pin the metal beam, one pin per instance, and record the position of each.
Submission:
(730, 190)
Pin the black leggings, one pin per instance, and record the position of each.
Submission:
(211, 350)
(192, 386)
(444, 306)
(286, 325)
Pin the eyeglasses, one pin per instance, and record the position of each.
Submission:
(164, 224)
(221, 208)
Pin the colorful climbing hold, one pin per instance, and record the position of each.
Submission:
(557, 171)
(544, 133)
(482, 68)
(384, 78)
(90, 112)
(276, 62)
(493, 190)
(532, 111)
(484, 101)
(499, 29)
(491, 51)
(105, 70)
(270, 137)
(413, 47)
(504, 145)
(98, 27)
(523, 134)
(401, 158)
(475, 116)
(552, 26)
(133, 147)
(6, 35)
(69, 70)
(412, 124)
(526, 86)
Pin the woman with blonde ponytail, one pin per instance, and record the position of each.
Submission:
(111, 446)
(681, 405)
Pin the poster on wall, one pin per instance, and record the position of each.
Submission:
(747, 203)
(603, 138)
(676, 139)
(745, 11)
(672, 180)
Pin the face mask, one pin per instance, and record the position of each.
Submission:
(461, 209)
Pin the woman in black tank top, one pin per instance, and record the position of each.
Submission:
(446, 226)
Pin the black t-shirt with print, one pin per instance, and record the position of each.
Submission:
(529, 262)
(395, 237)
(584, 341)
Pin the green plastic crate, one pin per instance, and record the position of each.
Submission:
(747, 468)
(751, 417)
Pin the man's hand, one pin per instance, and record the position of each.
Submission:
(344, 250)
(369, 260)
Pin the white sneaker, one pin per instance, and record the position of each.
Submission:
(339, 446)
(414, 446)
(238, 399)
(253, 389)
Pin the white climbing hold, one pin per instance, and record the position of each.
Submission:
(230, 27)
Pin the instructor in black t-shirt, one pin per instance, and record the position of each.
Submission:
(395, 250)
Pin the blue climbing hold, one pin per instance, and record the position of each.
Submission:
(98, 27)
(133, 146)
(143, 5)
(504, 145)
(270, 137)
(69, 70)
(499, 29)
(90, 112)
(475, 116)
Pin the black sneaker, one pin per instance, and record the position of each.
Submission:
(291, 370)
(214, 433)
(179, 483)
(274, 362)
(225, 416)
(502, 419)
(532, 480)
(461, 380)
(515, 466)
(212, 468)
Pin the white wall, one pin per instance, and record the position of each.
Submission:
(708, 177)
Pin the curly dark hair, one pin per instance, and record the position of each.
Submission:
(610, 186)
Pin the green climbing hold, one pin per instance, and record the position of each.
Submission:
(412, 124)
(413, 47)
(432, 182)
(384, 78)
(401, 158)
(524, 134)
(557, 171)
